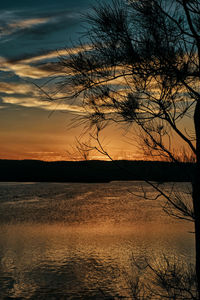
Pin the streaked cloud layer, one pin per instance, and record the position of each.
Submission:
(41, 104)
(23, 70)
(31, 29)
(16, 26)
(32, 35)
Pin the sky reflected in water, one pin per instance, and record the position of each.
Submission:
(78, 240)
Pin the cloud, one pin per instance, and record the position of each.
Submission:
(28, 23)
(16, 25)
(24, 70)
(27, 95)
(34, 102)
(53, 54)
(38, 22)
(27, 68)
(20, 88)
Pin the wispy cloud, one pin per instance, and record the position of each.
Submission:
(21, 24)
(39, 22)
(27, 23)
(37, 67)
(27, 95)
(53, 54)
(14, 87)
(24, 70)
(36, 103)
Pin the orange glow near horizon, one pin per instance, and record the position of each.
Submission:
(29, 129)
(17, 153)
(30, 133)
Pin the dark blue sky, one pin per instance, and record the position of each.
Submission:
(58, 23)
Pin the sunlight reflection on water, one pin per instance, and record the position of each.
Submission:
(77, 240)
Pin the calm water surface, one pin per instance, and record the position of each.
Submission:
(77, 241)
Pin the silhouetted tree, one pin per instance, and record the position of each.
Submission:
(141, 66)
(81, 150)
(168, 279)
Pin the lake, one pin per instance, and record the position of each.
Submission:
(79, 240)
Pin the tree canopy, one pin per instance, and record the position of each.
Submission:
(141, 66)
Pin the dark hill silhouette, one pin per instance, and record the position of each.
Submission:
(93, 171)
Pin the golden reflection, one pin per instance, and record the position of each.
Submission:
(75, 239)
(96, 254)
(80, 238)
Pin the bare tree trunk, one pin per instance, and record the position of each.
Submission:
(196, 194)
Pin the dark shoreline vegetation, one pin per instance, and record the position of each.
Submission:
(94, 171)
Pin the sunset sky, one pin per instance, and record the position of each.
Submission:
(32, 34)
